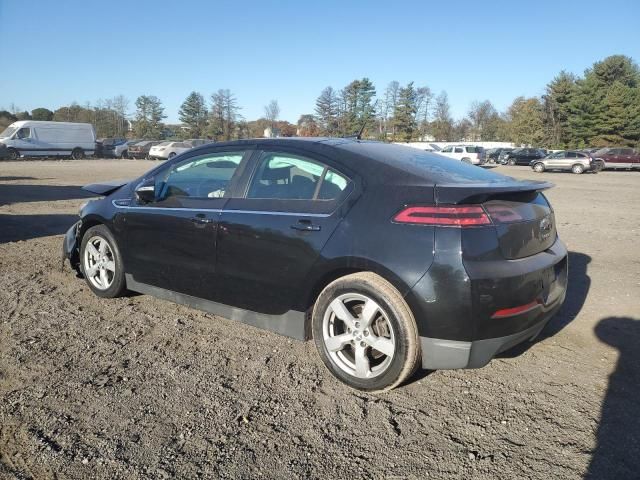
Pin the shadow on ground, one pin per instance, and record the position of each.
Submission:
(617, 452)
(12, 179)
(15, 193)
(25, 227)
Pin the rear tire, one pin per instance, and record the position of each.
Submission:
(124, 155)
(511, 162)
(538, 167)
(577, 169)
(77, 154)
(171, 155)
(466, 160)
(356, 312)
(101, 262)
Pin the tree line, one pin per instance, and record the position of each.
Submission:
(600, 108)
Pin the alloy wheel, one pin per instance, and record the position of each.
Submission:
(358, 335)
(99, 263)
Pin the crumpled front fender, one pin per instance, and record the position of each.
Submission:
(71, 246)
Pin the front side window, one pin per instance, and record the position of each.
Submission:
(447, 150)
(24, 132)
(285, 176)
(206, 176)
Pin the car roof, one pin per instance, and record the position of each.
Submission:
(376, 162)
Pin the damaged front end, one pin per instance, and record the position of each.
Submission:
(71, 246)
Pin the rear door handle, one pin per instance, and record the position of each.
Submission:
(305, 226)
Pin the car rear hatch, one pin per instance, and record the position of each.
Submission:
(519, 215)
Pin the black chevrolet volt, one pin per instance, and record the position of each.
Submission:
(389, 257)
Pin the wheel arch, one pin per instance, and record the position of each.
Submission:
(341, 267)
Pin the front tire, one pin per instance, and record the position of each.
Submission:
(365, 332)
(77, 154)
(577, 169)
(171, 155)
(14, 154)
(538, 167)
(101, 262)
(124, 155)
(511, 161)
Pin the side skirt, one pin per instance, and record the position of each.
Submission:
(292, 323)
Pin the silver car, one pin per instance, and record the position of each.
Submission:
(577, 162)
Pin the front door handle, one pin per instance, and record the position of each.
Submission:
(200, 219)
(305, 226)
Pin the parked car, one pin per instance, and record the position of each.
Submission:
(502, 157)
(196, 142)
(493, 154)
(113, 147)
(466, 153)
(618, 157)
(166, 150)
(141, 149)
(389, 257)
(31, 138)
(523, 156)
(573, 160)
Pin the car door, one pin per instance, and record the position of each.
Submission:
(556, 160)
(170, 242)
(626, 155)
(272, 234)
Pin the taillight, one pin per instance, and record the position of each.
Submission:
(452, 216)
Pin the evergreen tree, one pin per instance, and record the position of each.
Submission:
(193, 113)
(404, 116)
(148, 117)
(42, 114)
(327, 110)
(556, 100)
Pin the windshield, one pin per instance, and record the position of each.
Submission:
(8, 132)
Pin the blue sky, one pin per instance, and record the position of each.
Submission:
(55, 52)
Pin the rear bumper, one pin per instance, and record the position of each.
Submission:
(466, 310)
(440, 354)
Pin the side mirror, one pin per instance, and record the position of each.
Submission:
(146, 192)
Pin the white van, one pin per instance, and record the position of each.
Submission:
(29, 138)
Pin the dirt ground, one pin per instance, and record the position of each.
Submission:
(141, 388)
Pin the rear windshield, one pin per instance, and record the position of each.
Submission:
(435, 167)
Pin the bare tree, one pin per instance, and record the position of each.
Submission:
(272, 112)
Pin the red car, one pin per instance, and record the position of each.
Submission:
(618, 157)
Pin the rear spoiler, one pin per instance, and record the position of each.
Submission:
(105, 188)
(456, 193)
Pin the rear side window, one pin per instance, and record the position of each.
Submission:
(290, 177)
(459, 150)
(572, 155)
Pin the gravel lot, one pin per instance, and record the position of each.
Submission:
(141, 388)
